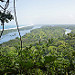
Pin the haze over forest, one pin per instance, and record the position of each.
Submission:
(45, 11)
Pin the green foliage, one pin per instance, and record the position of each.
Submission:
(5, 17)
(44, 53)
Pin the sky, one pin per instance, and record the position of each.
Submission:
(45, 11)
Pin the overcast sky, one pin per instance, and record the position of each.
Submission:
(45, 11)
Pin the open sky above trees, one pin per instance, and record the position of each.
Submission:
(45, 11)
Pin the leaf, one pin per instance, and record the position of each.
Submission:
(49, 59)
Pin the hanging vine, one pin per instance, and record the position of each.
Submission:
(17, 23)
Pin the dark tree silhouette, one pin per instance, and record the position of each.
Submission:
(6, 16)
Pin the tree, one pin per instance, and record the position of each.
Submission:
(5, 15)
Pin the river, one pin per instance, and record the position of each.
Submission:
(67, 31)
(13, 35)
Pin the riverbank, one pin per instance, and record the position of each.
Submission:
(13, 33)
(6, 31)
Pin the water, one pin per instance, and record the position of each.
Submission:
(13, 35)
(6, 27)
(67, 31)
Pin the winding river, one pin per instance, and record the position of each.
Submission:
(13, 35)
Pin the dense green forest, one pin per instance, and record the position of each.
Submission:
(46, 51)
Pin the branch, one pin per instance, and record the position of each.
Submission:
(6, 5)
(1, 7)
